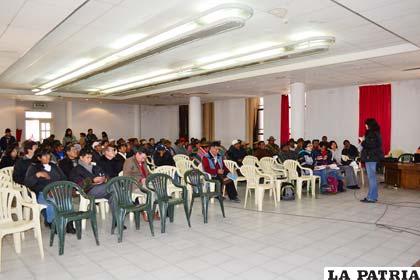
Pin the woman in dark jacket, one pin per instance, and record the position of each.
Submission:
(41, 173)
(10, 156)
(371, 154)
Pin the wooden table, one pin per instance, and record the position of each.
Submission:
(404, 175)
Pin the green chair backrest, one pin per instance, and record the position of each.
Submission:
(158, 183)
(60, 195)
(195, 179)
(121, 189)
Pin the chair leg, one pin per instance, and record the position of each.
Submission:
(278, 190)
(299, 189)
(1, 241)
(191, 206)
(113, 223)
(37, 233)
(136, 219)
(163, 207)
(150, 218)
(274, 195)
(52, 232)
(222, 206)
(83, 207)
(120, 215)
(18, 243)
(171, 212)
(94, 227)
(186, 212)
(259, 193)
(61, 230)
(102, 209)
(246, 197)
(78, 229)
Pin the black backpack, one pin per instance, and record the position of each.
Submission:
(287, 191)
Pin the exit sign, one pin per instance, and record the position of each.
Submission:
(39, 105)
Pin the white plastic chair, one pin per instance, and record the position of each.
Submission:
(16, 227)
(172, 172)
(180, 157)
(233, 168)
(150, 163)
(292, 175)
(253, 176)
(269, 165)
(250, 160)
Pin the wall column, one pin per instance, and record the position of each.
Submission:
(69, 114)
(195, 116)
(297, 101)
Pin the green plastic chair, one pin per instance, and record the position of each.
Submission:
(60, 196)
(200, 184)
(406, 158)
(158, 183)
(121, 190)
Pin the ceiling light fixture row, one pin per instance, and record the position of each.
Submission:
(263, 52)
(213, 21)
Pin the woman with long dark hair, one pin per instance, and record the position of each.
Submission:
(69, 138)
(10, 156)
(371, 154)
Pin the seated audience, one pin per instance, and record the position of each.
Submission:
(70, 160)
(305, 155)
(324, 139)
(202, 149)
(213, 164)
(104, 137)
(350, 151)
(22, 164)
(97, 151)
(180, 147)
(41, 173)
(10, 156)
(69, 138)
(292, 144)
(162, 156)
(57, 152)
(90, 137)
(323, 165)
(236, 152)
(7, 140)
(349, 174)
(136, 166)
(261, 151)
(108, 163)
(315, 144)
(168, 147)
(285, 153)
(49, 141)
(121, 155)
(272, 146)
(82, 139)
(299, 145)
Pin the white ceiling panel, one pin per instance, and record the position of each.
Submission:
(8, 10)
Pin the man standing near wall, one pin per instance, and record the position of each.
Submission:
(7, 140)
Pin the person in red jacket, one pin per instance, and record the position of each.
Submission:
(212, 163)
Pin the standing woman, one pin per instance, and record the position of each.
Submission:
(371, 154)
(69, 138)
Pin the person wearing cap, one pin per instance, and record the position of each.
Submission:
(236, 152)
(213, 164)
(7, 140)
(70, 160)
(272, 146)
(96, 151)
(162, 156)
(261, 151)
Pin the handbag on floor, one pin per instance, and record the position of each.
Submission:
(287, 191)
(332, 186)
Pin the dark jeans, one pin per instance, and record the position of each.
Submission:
(229, 186)
(99, 191)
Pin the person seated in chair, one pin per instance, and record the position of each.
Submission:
(272, 146)
(349, 174)
(23, 163)
(236, 152)
(10, 156)
(285, 153)
(350, 151)
(108, 163)
(324, 164)
(121, 156)
(162, 156)
(261, 151)
(213, 164)
(41, 173)
(70, 161)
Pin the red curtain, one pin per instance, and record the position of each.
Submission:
(284, 119)
(375, 102)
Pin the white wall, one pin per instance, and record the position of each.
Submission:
(229, 120)
(159, 122)
(272, 116)
(405, 117)
(7, 115)
(116, 119)
(334, 113)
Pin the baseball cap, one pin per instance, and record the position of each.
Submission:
(96, 143)
(236, 141)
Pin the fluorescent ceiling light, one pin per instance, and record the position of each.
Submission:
(256, 47)
(234, 12)
(201, 23)
(71, 67)
(35, 90)
(43, 92)
(306, 35)
(136, 78)
(127, 40)
(224, 60)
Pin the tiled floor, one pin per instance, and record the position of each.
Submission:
(293, 241)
